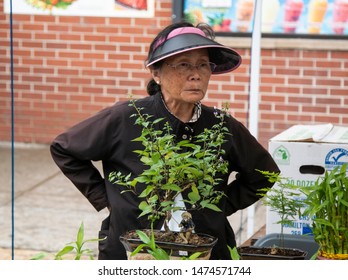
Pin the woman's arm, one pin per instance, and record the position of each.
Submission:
(74, 150)
(248, 157)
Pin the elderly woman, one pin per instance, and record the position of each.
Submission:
(181, 60)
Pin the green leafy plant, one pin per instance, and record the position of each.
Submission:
(327, 202)
(283, 198)
(77, 246)
(173, 167)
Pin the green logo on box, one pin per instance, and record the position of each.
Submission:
(281, 155)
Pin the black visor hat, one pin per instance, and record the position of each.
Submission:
(190, 38)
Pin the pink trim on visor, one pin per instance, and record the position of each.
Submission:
(180, 31)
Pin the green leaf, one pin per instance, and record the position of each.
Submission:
(156, 157)
(157, 120)
(195, 255)
(39, 256)
(138, 249)
(172, 187)
(194, 197)
(141, 152)
(143, 237)
(211, 207)
(147, 191)
(64, 251)
(159, 254)
(145, 208)
(194, 171)
(200, 155)
(143, 205)
(167, 203)
(142, 179)
(153, 199)
(80, 236)
(234, 253)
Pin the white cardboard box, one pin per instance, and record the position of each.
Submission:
(304, 147)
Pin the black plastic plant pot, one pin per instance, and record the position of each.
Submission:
(174, 249)
(271, 253)
(301, 242)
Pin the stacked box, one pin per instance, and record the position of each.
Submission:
(303, 153)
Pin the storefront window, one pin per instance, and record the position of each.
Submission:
(279, 17)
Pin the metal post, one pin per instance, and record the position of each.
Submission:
(254, 90)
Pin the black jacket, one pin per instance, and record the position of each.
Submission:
(107, 137)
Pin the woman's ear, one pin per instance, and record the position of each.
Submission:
(156, 75)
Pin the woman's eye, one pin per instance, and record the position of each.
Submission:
(184, 65)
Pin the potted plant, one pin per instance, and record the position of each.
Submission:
(326, 202)
(284, 199)
(171, 168)
(74, 250)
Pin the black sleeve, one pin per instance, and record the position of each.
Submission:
(248, 156)
(74, 150)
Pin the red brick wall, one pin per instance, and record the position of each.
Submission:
(68, 68)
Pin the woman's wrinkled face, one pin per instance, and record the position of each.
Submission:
(182, 83)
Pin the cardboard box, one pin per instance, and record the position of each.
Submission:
(303, 153)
